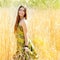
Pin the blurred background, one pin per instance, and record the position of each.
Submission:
(43, 27)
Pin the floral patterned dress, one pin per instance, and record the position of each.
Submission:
(20, 53)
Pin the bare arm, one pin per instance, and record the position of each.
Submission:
(24, 24)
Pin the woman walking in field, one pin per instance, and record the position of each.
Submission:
(25, 49)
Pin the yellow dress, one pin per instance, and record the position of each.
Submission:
(20, 53)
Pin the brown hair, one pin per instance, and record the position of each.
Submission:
(18, 17)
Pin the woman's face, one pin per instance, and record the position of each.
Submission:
(21, 12)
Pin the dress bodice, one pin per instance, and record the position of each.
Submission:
(20, 35)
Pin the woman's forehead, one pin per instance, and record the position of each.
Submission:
(22, 8)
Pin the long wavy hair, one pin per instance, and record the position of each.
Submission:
(18, 17)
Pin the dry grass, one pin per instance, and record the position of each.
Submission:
(44, 30)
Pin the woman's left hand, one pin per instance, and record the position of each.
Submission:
(26, 49)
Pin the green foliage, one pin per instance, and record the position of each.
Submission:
(4, 3)
(31, 3)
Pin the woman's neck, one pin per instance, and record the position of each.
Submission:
(22, 18)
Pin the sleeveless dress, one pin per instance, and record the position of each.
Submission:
(21, 54)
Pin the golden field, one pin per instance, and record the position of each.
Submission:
(43, 28)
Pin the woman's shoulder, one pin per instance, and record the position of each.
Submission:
(24, 22)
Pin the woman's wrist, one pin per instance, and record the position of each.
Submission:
(26, 46)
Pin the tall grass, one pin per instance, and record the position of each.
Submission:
(43, 28)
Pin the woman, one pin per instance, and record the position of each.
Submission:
(25, 48)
